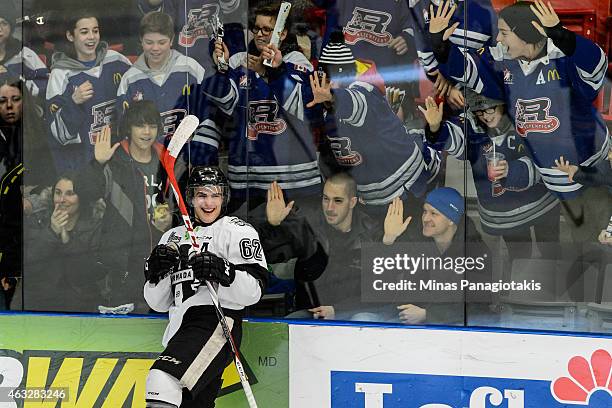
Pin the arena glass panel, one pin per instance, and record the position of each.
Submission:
(342, 160)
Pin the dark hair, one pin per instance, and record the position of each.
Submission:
(345, 179)
(140, 113)
(10, 14)
(78, 180)
(72, 18)
(269, 9)
(519, 16)
(13, 82)
(157, 22)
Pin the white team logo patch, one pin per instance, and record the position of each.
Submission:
(508, 77)
(368, 25)
(263, 118)
(199, 24)
(532, 116)
(102, 114)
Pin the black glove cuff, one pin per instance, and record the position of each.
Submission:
(440, 47)
(563, 38)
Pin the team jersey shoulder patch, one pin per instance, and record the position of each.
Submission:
(238, 222)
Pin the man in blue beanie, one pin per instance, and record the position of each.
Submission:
(442, 212)
(452, 236)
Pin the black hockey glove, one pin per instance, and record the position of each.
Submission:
(209, 267)
(164, 259)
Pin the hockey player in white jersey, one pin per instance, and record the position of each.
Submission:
(188, 371)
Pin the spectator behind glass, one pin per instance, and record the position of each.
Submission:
(82, 89)
(511, 198)
(163, 75)
(10, 202)
(17, 60)
(130, 178)
(551, 106)
(337, 228)
(366, 137)
(23, 154)
(447, 232)
(272, 138)
(61, 272)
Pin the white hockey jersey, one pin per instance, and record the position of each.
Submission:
(229, 238)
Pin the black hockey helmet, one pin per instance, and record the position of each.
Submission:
(202, 176)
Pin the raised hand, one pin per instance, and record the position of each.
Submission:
(83, 93)
(399, 45)
(103, 150)
(442, 85)
(276, 210)
(395, 225)
(432, 113)
(566, 167)
(439, 20)
(321, 90)
(546, 14)
(455, 98)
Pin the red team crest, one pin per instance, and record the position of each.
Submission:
(344, 154)
(263, 118)
(368, 25)
(199, 25)
(532, 115)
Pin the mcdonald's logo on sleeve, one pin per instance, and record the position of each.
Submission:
(553, 75)
(117, 78)
(186, 89)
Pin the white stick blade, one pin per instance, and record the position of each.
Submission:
(183, 132)
(281, 18)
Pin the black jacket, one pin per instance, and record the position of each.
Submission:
(127, 235)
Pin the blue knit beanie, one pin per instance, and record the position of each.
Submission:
(448, 201)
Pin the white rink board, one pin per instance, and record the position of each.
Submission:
(424, 361)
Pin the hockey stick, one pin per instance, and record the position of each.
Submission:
(279, 26)
(180, 137)
(219, 32)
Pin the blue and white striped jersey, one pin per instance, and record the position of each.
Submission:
(550, 100)
(477, 27)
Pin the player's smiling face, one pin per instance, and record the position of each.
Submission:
(143, 136)
(157, 48)
(434, 222)
(65, 198)
(515, 47)
(10, 104)
(85, 38)
(207, 203)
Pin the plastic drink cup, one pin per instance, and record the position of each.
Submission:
(493, 159)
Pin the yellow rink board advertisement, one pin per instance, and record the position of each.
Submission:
(103, 362)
